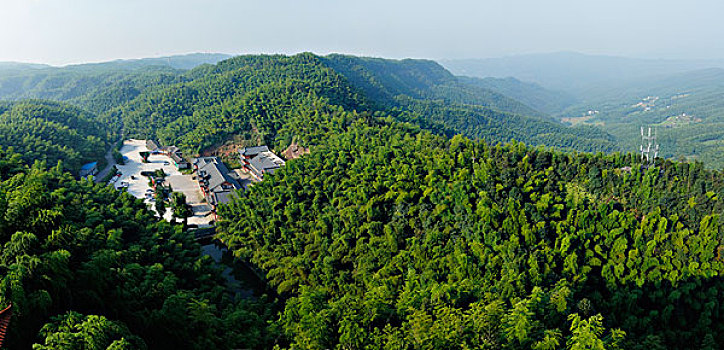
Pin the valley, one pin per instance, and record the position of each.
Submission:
(336, 201)
(376, 175)
(682, 99)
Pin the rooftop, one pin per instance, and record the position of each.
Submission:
(177, 158)
(252, 151)
(215, 173)
(89, 166)
(152, 145)
(222, 197)
(5, 316)
(266, 160)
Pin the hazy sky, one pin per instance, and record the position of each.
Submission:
(73, 31)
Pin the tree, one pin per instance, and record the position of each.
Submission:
(76, 244)
(144, 156)
(160, 197)
(181, 209)
(587, 334)
(74, 331)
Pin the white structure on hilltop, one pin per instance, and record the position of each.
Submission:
(649, 146)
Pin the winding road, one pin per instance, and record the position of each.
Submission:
(110, 163)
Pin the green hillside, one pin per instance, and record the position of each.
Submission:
(387, 80)
(52, 132)
(424, 93)
(278, 98)
(387, 236)
(271, 98)
(98, 87)
(533, 95)
(394, 232)
(88, 267)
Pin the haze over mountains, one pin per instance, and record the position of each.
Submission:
(679, 98)
(572, 72)
(559, 87)
(186, 61)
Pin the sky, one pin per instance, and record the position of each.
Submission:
(76, 31)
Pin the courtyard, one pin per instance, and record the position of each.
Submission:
(138, 185)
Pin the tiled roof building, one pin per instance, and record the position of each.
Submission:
(214, 180)
(259, 161)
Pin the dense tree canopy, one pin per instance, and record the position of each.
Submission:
(70, 246)
(409, 225)
(390, 236)
(51, 132)
(275, 99)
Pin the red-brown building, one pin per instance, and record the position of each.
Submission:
(5, 315)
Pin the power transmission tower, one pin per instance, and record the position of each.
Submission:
(649, 146)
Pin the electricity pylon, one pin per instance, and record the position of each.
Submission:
(649, 146)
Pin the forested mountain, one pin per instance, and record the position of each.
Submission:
(275, 98)
(385, 81)
(52, 131)
(18, 66)
(261, 97)
(384, 236)
(533, 95)
(187, 61)
(96, 86)
(394, 232)
(390, 237)
(459, 106)
(97, 90)
(88, 267)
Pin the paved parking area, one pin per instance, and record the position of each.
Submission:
(138, 184)
(189, 186)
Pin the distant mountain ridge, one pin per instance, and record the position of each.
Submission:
(96, 86)
(185, 61)
(428, 94)
(386, 80)
(15, 66)
(571, 72)
(531, 94)
(181, 61)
